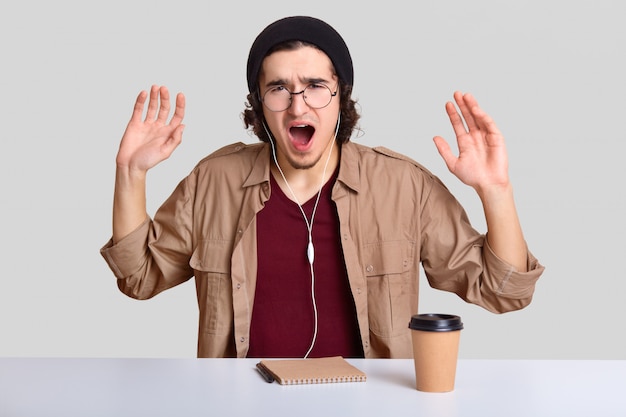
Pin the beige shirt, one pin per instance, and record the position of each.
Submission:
(393, 214)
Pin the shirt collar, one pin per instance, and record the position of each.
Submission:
(260, 172)
(348, 167)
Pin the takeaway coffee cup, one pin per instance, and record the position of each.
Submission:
(435, 350)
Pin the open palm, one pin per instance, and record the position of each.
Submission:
(482, 160)
(150, 140)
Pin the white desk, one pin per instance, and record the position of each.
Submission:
(32, 387)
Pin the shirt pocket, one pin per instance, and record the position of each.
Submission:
(391, 288)
(211, 264)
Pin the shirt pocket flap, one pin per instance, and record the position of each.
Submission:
(212, 256)
(384, 258)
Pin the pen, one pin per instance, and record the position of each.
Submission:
(264, 373)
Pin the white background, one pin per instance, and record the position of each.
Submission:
(551, 73)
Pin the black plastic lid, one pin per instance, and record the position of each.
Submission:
(435, 322)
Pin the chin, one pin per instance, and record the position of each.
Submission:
(304, 160)
(302, 164)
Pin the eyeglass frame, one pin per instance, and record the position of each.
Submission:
(291, 94)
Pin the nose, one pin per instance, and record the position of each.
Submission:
(298, 105)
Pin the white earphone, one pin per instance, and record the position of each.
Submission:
(310, 251)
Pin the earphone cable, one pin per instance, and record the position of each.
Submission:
(309, 225)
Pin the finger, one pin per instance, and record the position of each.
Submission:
(446, 153)
(177, 135)
(462, 101)
(164, 105)
(139, 104)
(173, 141)
(455, 119)
(153, 104)
(179, 112)
(482, 120)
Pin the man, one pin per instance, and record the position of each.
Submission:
(307, 244)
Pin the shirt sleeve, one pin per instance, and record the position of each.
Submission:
(457, 258)
(124, 256)
(155, 256)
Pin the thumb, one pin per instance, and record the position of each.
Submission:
(174, 140)
(446, 153)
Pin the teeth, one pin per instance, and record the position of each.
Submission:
(301, 126)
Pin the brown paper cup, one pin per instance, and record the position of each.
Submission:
(435, 350)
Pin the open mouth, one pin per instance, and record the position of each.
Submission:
(301, 135)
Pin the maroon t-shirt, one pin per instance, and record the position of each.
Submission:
(283, 316)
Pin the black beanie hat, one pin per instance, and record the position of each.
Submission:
(305, 29)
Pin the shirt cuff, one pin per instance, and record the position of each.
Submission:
(508, 281)
(125, 257)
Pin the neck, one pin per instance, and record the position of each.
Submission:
(306, 182)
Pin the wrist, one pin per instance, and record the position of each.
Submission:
(495, 193)
(130, 173)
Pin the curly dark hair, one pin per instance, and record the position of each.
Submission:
(253, 114)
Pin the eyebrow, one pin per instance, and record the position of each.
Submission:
(310, 80)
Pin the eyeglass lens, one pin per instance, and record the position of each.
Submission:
(315, 96)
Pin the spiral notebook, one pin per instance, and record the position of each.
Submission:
(310, 371)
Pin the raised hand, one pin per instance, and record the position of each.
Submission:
(150, 140)
(146, 142)
(482, 162)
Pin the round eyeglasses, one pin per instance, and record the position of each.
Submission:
(316, 96)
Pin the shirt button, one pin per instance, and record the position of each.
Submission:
(238, 286)
(243, 339)
(240, 231)
(358, 291)
(369, 268)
